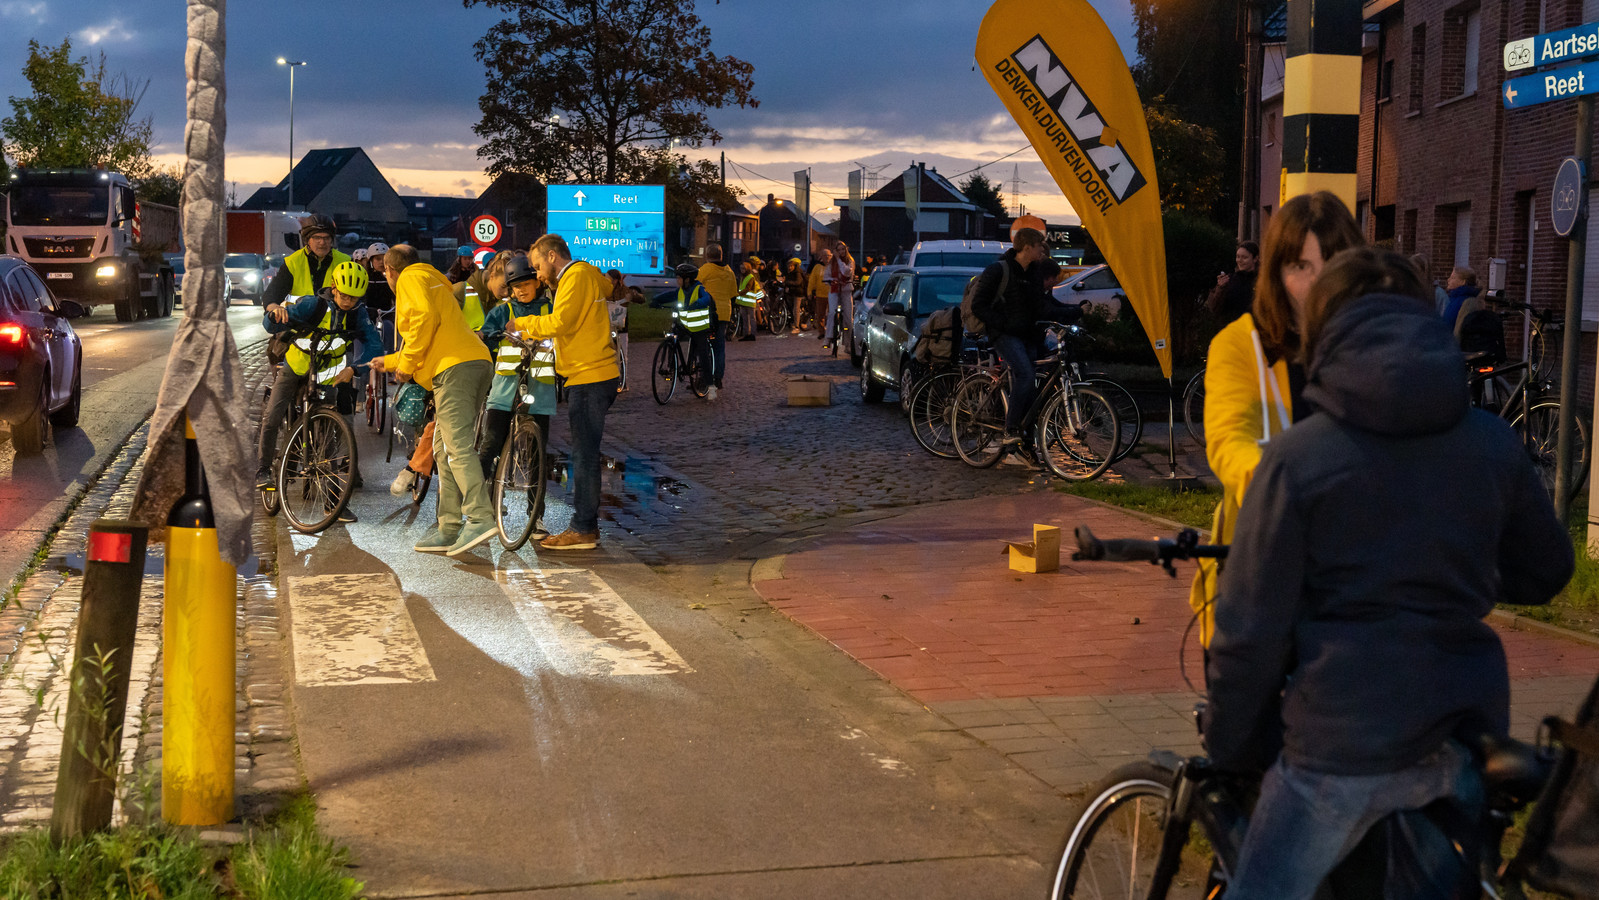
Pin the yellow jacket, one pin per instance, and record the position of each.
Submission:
(1246, 403)
(430, 323)
(722, 284)
(580, 325)
(817, 288)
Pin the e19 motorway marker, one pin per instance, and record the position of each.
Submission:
(1560, 84)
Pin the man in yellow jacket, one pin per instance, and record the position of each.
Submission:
(442, 354)
(585, 356)
(722, 284)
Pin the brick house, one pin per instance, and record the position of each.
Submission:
(943, 213)
(344, 184)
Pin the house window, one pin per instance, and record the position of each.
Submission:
(1418, 66)
(1463, 237)
(1385, 83)
(363, 195)
(1473, 38)
(1271, 128)
(1462, 32)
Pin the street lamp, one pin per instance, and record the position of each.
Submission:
(292, 64)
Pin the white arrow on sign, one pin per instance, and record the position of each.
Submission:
(580, 197)
(1510, 93)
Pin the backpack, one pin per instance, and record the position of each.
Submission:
(939, 339)
(1561, 850)
(974, 319)
(1482, 333)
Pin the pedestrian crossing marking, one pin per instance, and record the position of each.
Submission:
(584, 628)
(354, 629)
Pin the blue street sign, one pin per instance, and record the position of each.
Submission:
(1568, 200)
(612, 226)
(1558, 84)
(1556, 46)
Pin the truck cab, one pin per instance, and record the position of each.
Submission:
(92, 241)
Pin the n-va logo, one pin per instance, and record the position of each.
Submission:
(1072, 123)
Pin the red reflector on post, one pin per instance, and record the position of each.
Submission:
(110, 547)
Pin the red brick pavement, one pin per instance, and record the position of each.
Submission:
(927, 600)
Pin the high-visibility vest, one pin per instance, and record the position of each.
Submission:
(541, 368)
(695, 320)
(472, 308)
(299, 265)
(749, 292)
(330, 357)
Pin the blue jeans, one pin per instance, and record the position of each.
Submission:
(1020, 356)
(1307, 822)
(718, 349)
(586, 404)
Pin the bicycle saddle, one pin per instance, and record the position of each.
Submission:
(1510, 767)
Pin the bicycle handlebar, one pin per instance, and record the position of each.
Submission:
(1161, 552)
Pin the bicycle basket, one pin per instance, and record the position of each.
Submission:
(1561, 850)
(410, 404)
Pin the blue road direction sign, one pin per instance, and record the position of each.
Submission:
(612, 226)
(1556, 84)
(1551, 48)
(1568, 201)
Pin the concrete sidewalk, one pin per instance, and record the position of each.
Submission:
(1069, 674)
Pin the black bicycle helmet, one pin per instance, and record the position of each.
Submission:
(317, 225)
(688, 270)
(518, 270)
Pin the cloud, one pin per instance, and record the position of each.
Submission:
(110, 32)
(16, 9)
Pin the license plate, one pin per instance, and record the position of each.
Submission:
(58, 275)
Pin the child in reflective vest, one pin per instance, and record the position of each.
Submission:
(694, 308)
(528, 298)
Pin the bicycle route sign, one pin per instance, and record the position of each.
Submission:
(612, 226)
(1570, 44)
(486, 230)
(1568, 202)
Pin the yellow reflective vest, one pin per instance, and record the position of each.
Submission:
(299, 265)
(695, 320)
(749, 291)
(330, 357)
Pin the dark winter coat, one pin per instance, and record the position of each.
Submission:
(1375, 537)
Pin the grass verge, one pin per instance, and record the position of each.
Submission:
(1192, 506)
(283, 857)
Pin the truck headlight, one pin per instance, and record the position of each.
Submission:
(106, 271)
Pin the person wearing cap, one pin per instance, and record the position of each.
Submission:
(463, 265)
(694, 311)
(443, 355)
(338, 308)
(528, 297)
(305, 271)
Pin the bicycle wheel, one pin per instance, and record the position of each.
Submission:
(1544, 437)
(519, 483)
(1112, 848)
(663, 375)
(1129, 418)
(699, 380)
(1543, 364)
(930, 407)
(1077, 437)
(978, 420)
(419, 488)
(314, 481)
(1194, 408)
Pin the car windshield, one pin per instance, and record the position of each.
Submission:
(953, 258)
(242, 261)
(935, 292)
(874, 284)
(40, 204)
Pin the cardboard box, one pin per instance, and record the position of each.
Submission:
(808, 390)
(1042, 555)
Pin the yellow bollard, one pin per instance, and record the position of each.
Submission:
(198, 662)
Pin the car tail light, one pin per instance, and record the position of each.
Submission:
(11, 334)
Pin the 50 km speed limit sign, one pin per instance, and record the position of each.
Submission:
(486, 230)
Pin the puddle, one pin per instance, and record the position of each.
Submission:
(630, 483)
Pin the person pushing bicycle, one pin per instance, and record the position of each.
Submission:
(337, 308)
(529, 297)
(693, 304)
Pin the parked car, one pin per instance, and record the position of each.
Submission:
(175, 260)
(1097, 286)
(865, 298)
(248, 273)
(909, 297)
(954, 253)
(41, 357)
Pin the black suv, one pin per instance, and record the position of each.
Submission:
(41, 357)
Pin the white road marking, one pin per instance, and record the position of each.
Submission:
(354, 629)
(584, 628)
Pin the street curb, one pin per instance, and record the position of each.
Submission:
(1525, 623)
(768, 569)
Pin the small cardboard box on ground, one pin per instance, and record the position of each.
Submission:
(1042, 555)
(807, 390)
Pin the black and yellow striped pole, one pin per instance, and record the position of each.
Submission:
(1321, 99)
(198, 663)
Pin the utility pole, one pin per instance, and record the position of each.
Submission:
(727, 237)
(1254, 62)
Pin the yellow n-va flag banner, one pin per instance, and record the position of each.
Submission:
(1062, 76)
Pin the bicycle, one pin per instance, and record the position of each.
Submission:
(929, 405)
(672, 362)
(1533, 410)
(1194, 407)
(774, 309)
(841, 327)
(375, 403)
(419, 487)
(1072, 427)
(522, 476)
(1134, 836)
(313, 475)
(1537, 349)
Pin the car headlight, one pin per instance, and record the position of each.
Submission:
(250, 277)
(106, 271)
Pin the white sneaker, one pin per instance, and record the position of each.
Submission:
(710, 393)
(403, 482)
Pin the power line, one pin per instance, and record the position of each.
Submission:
(992, 161)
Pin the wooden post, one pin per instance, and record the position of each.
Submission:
(91, 748)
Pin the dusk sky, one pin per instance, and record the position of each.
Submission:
(840, 83)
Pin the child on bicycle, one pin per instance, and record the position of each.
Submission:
(337, 308)
(694, 312)
(1349, 626)
(529, 297)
